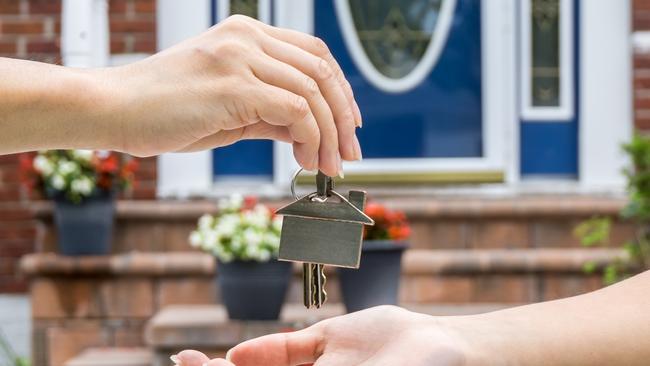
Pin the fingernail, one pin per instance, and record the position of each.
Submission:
(175, 360)
(357, 112)
(229, 355)
(357, 149)
(341, 175)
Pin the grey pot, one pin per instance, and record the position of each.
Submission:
(85, 228)
(376, 282)
(253, 290)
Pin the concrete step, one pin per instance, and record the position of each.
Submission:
(113, 357)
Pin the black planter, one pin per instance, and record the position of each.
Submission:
(376, 282)
(85, 228)
(252, 290)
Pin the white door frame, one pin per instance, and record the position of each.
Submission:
(605, 98)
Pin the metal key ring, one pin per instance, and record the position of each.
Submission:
(314, 194)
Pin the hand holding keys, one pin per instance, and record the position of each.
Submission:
(322, 228)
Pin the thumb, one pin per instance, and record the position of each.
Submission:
(283, 349)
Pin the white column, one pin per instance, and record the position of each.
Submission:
(185, 174)
(84, 33)
(605, 91)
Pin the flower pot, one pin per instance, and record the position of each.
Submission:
(376, 282)
(85, 228)
(253, 290)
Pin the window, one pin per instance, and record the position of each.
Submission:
(547, 60)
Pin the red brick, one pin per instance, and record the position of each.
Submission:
(118, 6)
(45, 7)
(7, 266)
(43, 47)
(498, 234)
(11, 158)
(127, 298)
(17, 232)
(21, 27)
(9, 7)
(118, 45)
(14, 213)
(439, 234)
(642, 103)
(186, 291)
(135, 26)
(512, 289)
(145, 6)
(448, 289)
(147, 45)
(10, 192)
(144, 193)
(12, 284)
(7, 47)
(63, 298)
(63, 343)
(16, 248)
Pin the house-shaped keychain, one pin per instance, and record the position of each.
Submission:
(324, 227)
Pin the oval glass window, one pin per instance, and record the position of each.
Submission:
(395, 43)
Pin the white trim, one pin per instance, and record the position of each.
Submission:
(84, 33)
(606, 117)
(296, 15)
(182, 175)
(263, 8)
(641, 41)
(499, 114)
(565, 110)
(370, 72)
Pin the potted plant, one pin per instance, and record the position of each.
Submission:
(82, 184)
(376, 282)
(244, 236)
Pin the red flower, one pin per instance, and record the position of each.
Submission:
(389, 224)
(109, 165)
(249, 202)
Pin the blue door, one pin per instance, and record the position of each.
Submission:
(415, 67)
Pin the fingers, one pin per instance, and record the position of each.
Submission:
(280, 107)
(196, 358)
(284, 349)
(318, 48)
(257, 131)
(285, 76)
(190, 358)
(322, 79)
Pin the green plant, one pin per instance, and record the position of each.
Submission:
(243, 230)
(596, 231)
(7, 354)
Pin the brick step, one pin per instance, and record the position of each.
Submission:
(208, 329)
(112, 357)
(437, 223)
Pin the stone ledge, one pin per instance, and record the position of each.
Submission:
(112, 357)
(447, 207)
(129, 264)
(208, 326)
(416, 262)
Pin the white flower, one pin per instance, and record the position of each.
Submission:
(66, 167)
(264, 256)
(256, 218)
(85, 155)
(58, 182)
(196, 239)
(227, 224)
(206, 221)
(210, 239)
(234, 203)
(252, 237)
(277, 223)
(43, 165)
(82, 186)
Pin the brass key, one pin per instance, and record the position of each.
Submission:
(322, 228)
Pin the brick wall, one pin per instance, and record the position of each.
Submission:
(641, 22)
(29, 29)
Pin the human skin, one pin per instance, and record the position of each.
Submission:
(606, 327)
(241, 79)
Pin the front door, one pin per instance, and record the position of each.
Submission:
(415, 67)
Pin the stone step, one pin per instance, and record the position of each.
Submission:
(437, 222)
(113, 357)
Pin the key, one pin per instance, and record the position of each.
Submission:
(314, 285)
(322, 228)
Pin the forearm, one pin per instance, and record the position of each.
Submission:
(46, 106)
(607, 327)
